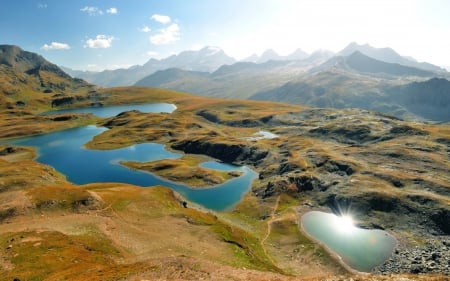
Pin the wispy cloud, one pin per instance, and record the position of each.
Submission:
(99, 42)
(166, 35)
(55, 46)
(145, 29)
(92, 11)
(112, 11)
(42, 6)
(161, 18)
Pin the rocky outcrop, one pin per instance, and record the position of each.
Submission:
(226, 152)
(246, 122)
(349, 134)
(431, 257)
(293, 184)
(441, 217)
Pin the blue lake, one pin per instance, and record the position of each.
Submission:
(109, 111)
(361, 249)
(64, 150)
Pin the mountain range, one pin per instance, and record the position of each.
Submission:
(322, 79)
(207, 59)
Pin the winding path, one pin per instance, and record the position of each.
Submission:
(269, 229)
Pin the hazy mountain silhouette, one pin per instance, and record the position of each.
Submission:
(207, 59)
(387, 55)
(270, 54)
(363, 63)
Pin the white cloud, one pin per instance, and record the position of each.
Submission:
(55, 46)
(42, 6)
(100, 42)
(145, 29)
(112, 11)
(166, 35)
(152, 54)
(92, 11)
(161, 18)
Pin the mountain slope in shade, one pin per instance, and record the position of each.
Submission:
(207, 59)
(387, 55)
(363, 63)
(429, 99)
(28, 76)
(335, 88)
(28, 62)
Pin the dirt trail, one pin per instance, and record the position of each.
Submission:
(269, 229)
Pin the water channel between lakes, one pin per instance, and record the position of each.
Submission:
(65, 151)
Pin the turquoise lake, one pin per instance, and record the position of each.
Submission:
(361, 249)
(64, 150)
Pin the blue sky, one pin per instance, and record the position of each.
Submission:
(107, 34)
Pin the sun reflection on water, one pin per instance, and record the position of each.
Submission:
(345, 224)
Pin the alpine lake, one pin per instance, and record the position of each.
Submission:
(65, 151)
(360, 249)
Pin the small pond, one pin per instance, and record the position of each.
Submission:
(260, 135)
(361, 249)
(64, 150)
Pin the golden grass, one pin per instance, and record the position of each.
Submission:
(134, 226)
(185, 170)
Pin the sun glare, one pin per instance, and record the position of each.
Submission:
(345, 224)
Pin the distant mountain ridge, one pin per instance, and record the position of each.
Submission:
(387, 55)
(270, 54)
(362, 63)
(207, 59)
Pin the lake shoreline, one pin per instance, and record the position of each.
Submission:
(334, 254)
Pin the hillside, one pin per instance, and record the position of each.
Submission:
(321, 158)
(28, 80)
(429, 99)
(358, 81)
(363, 63)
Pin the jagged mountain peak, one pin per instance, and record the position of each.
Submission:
(298, 54)
(267, 55)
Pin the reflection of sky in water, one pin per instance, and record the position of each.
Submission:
(361, 249)
(64, 150)
(109, 111)
(262, 135)
(55, 143)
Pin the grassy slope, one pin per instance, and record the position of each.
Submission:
(116, 231)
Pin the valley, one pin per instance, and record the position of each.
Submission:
(391, 174)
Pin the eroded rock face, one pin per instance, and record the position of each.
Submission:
(229, 153)
(347, 134)
(441, 217)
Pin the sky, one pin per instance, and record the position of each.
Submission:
(109, 34)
